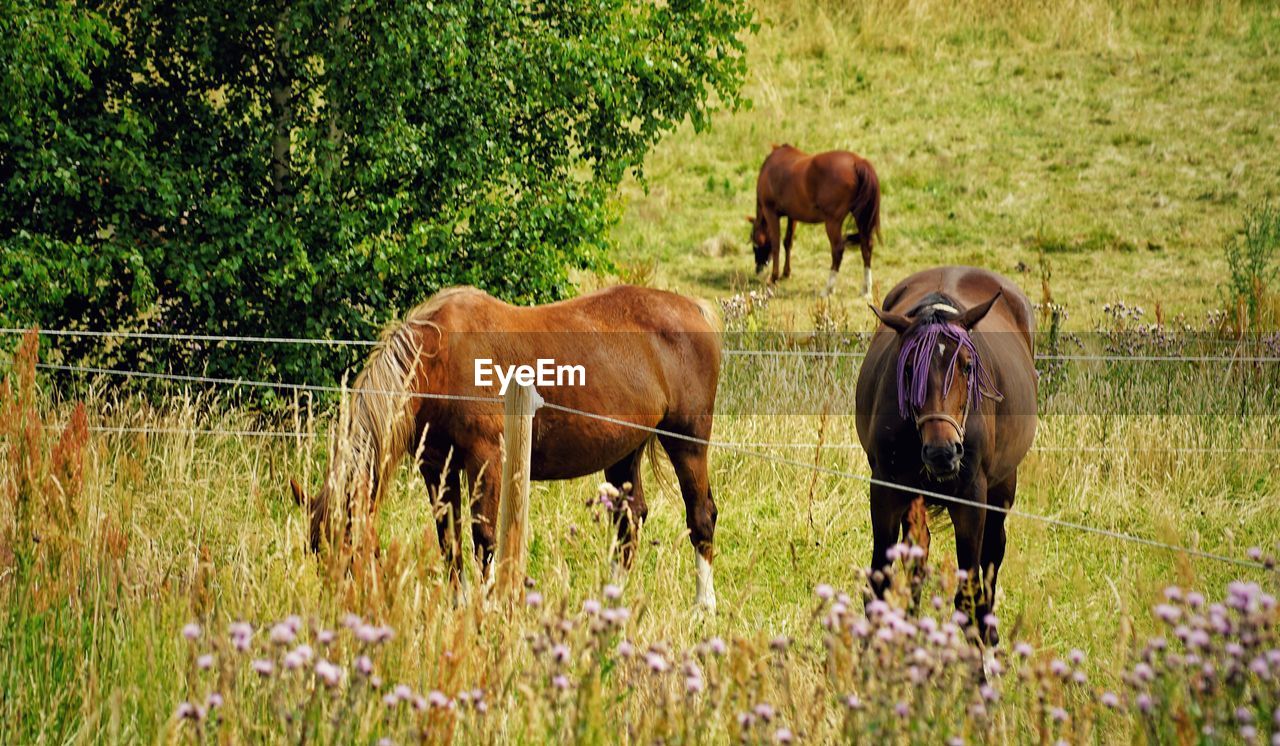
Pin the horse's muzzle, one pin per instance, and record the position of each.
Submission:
(760, 267)
(942, 461)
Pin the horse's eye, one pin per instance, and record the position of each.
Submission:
(968, 368)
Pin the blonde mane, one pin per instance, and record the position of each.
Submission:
(376, 427)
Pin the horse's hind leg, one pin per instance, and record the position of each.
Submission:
(690, 462)
(864, 242)
(835, 234)
(786, 244)
(630, 515)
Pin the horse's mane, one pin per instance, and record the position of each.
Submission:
(378, 428)
(933, 322)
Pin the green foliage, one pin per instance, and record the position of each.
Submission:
(1253, 264)
(314, 167)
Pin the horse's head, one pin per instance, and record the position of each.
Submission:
(935, 354)
(760, 242)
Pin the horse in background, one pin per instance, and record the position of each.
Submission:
(649, 357)
(824, 188)
(946, 402)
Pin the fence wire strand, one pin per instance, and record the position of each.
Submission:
(721, 445)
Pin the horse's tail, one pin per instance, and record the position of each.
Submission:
(865, 206)
(709, 313)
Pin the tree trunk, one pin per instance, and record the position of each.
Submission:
(281, 107)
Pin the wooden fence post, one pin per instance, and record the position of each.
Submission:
(513, 501)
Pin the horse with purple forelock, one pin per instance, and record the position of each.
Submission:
(946, 404)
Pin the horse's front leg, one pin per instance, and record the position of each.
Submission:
(484, 473)
(888, 509)
(993, 543)
(970, 526)
(786, 245)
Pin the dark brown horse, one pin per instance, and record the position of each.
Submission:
(646, 357)
(946, 402)
(824, 188)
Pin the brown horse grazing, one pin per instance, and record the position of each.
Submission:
(946, 402)
(646, 357)
(823, 188)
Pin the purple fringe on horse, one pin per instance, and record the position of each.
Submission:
(915, 353)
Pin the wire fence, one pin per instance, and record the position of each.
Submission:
(158, 336)
(747, 450)
(736, 448)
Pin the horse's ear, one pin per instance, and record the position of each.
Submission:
(894, 321)
(973, 315)
(751, 220)
(299, 496)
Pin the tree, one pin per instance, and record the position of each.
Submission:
(315, 167)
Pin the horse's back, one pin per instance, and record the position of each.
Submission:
(969, 286)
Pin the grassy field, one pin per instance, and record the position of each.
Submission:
(1115, 150)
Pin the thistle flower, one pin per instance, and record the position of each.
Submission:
(1144, 703)
(591, 606)
(656, 662)
(533, 599)
(783, 735)
(560, 681)
(204, 662)
(263, 666)
(1109, 700)
(824, 592)
(283, 634)
(764, 711)
(191, 631)
(189, 711)
(1168, 613)
(214, 701)
(716, 646)
(437, 699)
(560, 653)
(612, 592)
(626, 649)
(329, 673)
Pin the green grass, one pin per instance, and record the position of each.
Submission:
(1119, 145)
